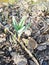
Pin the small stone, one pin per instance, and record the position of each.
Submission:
(41, 47)
(10, 49)
(31, 62)
(19, 59)
(45, 43)
(2, 39)
(22, 63)
(4, 23)
(40, 25)
(47, 21)
(41, 61)
(41, 39)
(45, 62)
(28, 32)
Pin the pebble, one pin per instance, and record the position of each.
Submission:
(41, 61)
(41, 39)
(19, 59)
(2, 40)
(47, 21)
(28, 32)
(40, 25)
(44, 62)
(41, 47)
(31, 62)
(45, 43)
(2, 37)
(4, 23)
(10, 49)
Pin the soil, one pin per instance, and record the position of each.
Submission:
(37, 36)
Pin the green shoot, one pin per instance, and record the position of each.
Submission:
(19, 27)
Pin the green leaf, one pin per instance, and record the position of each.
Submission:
(21, 30)
(15, 24)
(22, 21)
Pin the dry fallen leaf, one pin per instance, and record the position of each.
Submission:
(30, 43)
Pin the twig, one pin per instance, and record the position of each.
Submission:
(21, 43)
